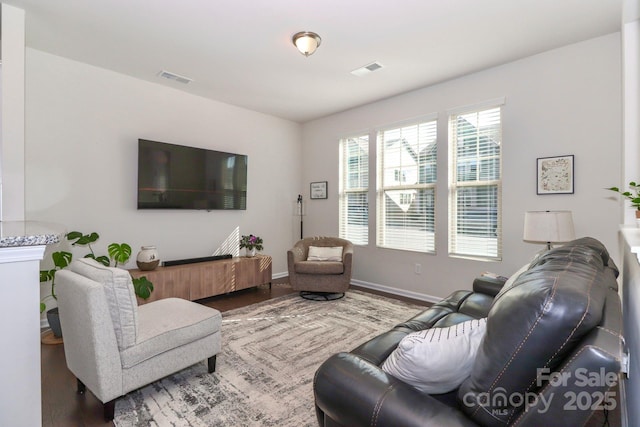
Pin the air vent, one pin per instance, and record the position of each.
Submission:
(370, 68)
(175, 77)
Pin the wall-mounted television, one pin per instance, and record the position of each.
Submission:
(174, 176)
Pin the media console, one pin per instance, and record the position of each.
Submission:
(203, 279)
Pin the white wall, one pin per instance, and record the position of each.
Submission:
(565, 101)
(12, 186)
(82, 130)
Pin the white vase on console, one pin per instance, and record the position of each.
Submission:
(147, 258)
(250, 252)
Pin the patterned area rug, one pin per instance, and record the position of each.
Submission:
(264, 374)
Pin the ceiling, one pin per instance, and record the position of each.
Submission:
(240, 52)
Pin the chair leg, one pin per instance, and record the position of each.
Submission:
(211, 364)
(109, 410)
(81, 387)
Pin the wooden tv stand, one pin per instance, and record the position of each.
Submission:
(206, 279)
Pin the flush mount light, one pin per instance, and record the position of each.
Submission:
(306, 42)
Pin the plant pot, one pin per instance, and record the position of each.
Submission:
(147, 258)
(53, 317)
(250, 252)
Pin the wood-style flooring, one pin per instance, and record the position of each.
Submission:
(62, 407)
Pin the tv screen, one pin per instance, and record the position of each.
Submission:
(178, 177)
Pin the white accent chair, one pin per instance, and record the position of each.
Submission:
(113, 346)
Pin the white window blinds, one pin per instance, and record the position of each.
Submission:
(407, 172)
(354, 186)
(475, 184)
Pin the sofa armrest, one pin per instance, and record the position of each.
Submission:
(488, 285)
(350, 391)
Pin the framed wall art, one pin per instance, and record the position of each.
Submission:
(555, 175)
(319, 190)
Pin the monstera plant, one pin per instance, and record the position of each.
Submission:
(119, 253)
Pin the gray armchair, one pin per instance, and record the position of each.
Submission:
(320, 276)
(113, 346)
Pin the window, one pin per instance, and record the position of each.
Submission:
(406, 187)
(475, 185)
(354, 185)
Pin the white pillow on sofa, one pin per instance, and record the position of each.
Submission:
(437, 360)
(325, 253)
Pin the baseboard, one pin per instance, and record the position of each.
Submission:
(396, 291)
(280, 275)
(44, 324)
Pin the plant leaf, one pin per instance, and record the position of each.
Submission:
(142, 287)
(72, 235)
(120, 253)
(43, 307)
(104, 260)
(61, 259)
(82, 239)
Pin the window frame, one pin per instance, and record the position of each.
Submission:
(456, 249)
(345, 191)
(382, 188)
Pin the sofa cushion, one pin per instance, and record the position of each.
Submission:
(120, 295)
(319, 267)
(437, 360)
(325, 253)
(532, 326)
(169, 323)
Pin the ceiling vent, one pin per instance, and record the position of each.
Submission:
(374, 66)
(175, 77)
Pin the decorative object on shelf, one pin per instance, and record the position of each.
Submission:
(147, 259)
(548, 227)
(555, 175)
(306, 42)
(251, 244)
(633, 197)
(319, 190)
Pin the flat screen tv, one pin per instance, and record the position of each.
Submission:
(178, 177)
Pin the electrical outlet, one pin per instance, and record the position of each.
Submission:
(418, 269)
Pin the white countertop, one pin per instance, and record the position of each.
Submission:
(29, 233)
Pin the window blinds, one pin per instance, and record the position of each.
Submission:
(354, 186)
(407, 169)
(475, 185)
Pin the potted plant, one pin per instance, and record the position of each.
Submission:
(633, 196)
(118, 252)
(251, 244)
(61, 259)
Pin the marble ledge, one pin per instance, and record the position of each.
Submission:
(29, 233)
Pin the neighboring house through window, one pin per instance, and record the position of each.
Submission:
(406, 186)
(354, 187)
(475, 184)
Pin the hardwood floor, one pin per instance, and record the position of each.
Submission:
(62, 407)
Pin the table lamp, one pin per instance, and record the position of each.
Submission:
(548, 227)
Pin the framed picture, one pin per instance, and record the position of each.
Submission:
(319, 190)
(555, 175)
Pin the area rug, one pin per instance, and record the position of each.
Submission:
(264, 374)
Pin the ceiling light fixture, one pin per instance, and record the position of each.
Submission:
(306, 42)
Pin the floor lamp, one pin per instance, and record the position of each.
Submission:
(300, 213)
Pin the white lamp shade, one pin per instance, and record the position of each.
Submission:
(548, 226)
(306, 42)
